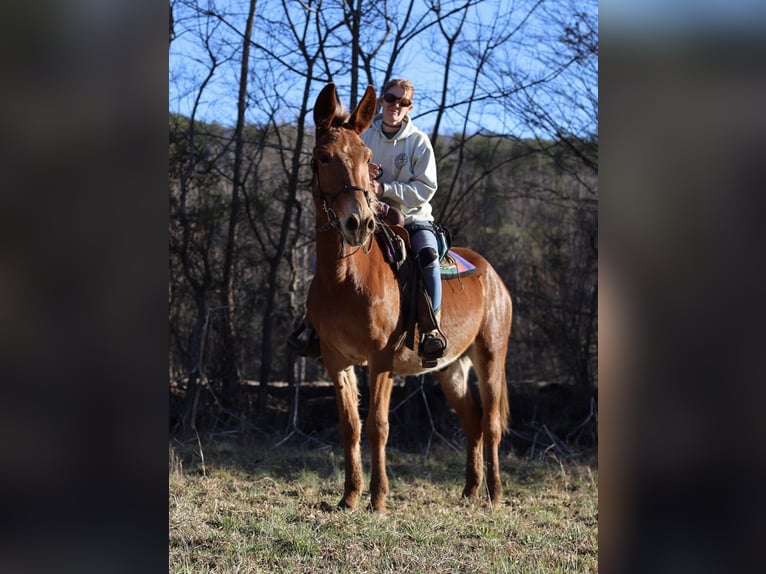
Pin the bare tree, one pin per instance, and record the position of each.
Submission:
(294, 162)
(228, 298)
(192, 233)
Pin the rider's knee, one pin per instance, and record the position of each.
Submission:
(428, 257)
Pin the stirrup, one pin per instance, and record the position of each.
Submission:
(308, 347)
(432, 347)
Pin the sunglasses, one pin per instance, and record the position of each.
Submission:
(391, 98)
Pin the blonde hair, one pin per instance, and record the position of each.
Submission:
(406, 85)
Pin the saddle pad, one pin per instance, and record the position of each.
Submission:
(454, 266)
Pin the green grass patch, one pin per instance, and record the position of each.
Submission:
(251, 508)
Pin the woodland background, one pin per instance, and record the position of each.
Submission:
(508, 94)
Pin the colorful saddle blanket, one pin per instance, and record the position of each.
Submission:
(453, 266)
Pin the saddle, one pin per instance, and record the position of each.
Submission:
(416, 304)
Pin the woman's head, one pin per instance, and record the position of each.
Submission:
(396, 100)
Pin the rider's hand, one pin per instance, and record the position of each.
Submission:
(376, 170)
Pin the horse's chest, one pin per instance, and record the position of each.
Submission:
(363, 326)
(357, 316)
(356, 330)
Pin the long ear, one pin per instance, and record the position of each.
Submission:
(361, 117)
(326, 107)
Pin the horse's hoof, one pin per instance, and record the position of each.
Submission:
(345, 505)
(380, 509)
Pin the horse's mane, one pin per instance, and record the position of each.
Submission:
(339, 120)
(341, 115)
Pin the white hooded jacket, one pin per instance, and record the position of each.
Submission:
(409, 168)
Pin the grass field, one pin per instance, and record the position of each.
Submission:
(254, 508)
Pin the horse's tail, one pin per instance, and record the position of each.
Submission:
(505, 309)
(505, 407)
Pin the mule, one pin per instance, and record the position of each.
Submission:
(354, 305)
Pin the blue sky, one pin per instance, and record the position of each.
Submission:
(424, 69)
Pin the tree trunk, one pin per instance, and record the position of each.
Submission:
(228, 299)
(355, 14)
(276, 260)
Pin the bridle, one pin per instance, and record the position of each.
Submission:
(332, 218)
(333, 223)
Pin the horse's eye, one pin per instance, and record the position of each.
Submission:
(324, 158)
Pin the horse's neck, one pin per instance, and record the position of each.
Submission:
(342, 265)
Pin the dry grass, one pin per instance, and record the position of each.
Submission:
(257, 509)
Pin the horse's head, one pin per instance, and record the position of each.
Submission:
(342, 187)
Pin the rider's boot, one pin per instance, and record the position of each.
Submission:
(433, 344)
(305, 345)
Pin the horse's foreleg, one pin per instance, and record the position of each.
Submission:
(454, 382)
(347, 399)
(377, 433)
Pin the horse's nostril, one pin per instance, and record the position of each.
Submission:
(353, 223)
(370, 224)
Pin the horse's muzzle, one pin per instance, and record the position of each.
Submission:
(357, 230)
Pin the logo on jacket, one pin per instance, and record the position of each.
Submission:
(401, 160)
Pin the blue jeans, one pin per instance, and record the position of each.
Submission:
(425, 247)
